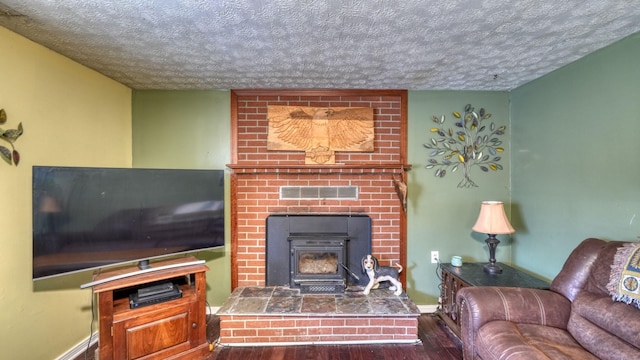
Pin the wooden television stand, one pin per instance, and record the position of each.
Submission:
(173, 329)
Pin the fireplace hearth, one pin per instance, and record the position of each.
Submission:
(281, 315)
(316, 253)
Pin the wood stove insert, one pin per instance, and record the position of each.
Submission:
(317, 262)
(313, 252)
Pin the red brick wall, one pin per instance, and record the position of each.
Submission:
(239, 329)
(258, 174)
(252, 128)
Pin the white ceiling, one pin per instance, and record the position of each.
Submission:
(372, 44)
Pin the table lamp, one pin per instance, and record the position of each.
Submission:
(492, 221)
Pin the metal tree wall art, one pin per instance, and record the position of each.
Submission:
(472, 142)
(10, 136)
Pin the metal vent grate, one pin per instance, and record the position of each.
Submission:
(319, 192)
(328, 288)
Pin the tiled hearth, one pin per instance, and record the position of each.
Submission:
(281, 315)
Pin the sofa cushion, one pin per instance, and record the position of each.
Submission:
(607, 328)
(575, 271)
(601, 271)
(508, 340)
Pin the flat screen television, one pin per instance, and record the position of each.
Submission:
(86, 218)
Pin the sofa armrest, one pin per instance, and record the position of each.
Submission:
(480, 305)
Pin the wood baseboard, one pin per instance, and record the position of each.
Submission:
(80, 348)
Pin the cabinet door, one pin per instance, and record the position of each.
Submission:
(448, 294)
(456, 284)
(154, 334)
(450, 311)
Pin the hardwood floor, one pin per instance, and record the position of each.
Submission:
(438, 343)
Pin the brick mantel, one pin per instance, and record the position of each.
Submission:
(257, 174)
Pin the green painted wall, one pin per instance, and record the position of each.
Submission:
(570, 160)
(72, 116)
(188, 130)
(576, 160)
(440, 215)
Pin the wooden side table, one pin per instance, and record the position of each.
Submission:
(472, 274)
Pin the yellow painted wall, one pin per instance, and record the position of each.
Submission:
(72, 116)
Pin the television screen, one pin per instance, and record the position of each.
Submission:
(85, 218)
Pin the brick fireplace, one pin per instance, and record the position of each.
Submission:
(258, 175)
(260, 182)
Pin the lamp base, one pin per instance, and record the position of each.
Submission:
(492, 268)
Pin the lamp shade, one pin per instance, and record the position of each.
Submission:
(492, 219)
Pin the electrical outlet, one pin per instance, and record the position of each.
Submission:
(435, 256)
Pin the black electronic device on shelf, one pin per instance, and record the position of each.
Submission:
(154, 294)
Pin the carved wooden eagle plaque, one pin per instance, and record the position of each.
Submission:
(319, 132)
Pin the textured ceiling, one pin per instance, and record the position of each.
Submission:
(373, 44)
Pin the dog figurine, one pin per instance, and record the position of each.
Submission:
(378, 274)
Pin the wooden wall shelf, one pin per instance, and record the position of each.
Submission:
(254, 168)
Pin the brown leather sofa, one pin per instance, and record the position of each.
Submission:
(575, 319)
